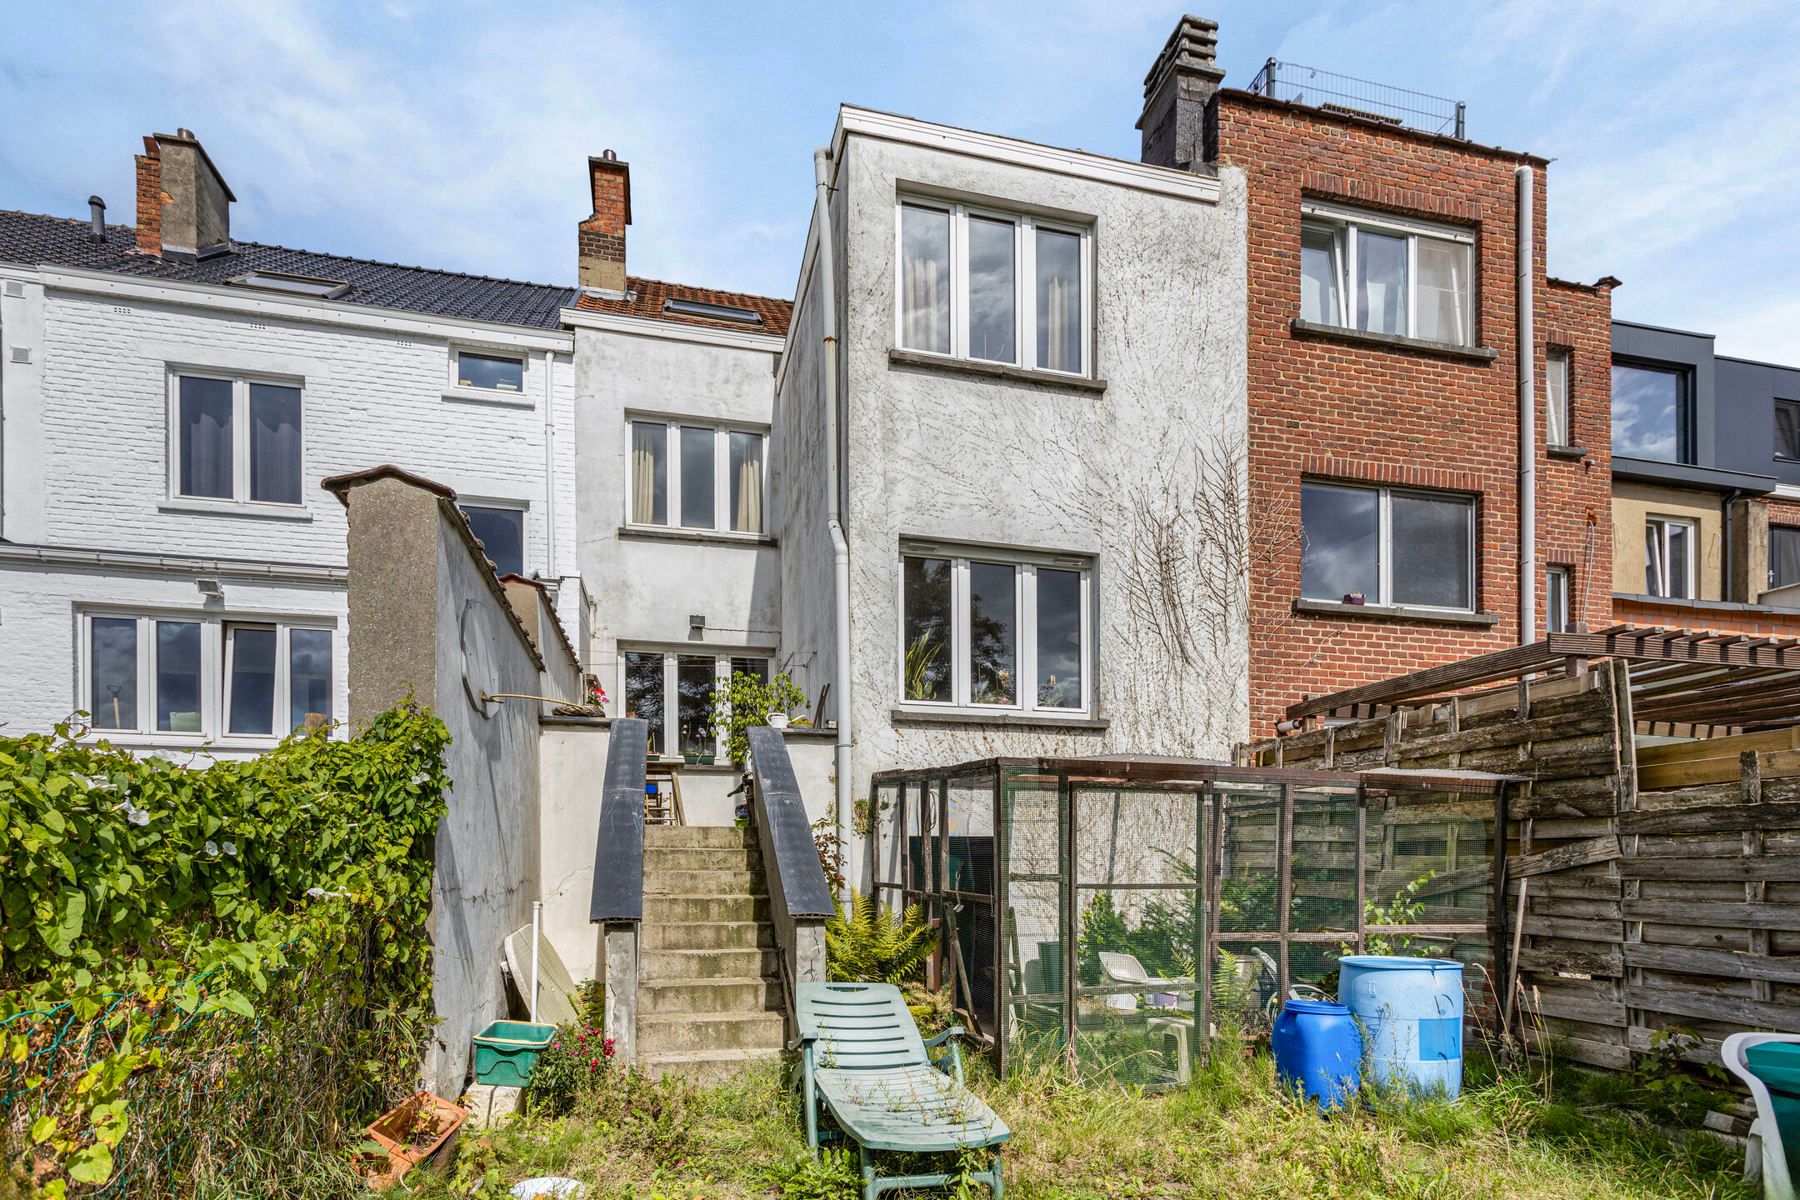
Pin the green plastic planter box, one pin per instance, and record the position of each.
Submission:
(506, 1051)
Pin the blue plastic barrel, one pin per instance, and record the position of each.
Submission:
(1411, 1011)
(1318, 1051)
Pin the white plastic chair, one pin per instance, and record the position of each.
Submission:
(1764, 1156)
(1125, 968)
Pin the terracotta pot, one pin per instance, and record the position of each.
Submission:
(408, 1138)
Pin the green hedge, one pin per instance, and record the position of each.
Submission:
(175, 937)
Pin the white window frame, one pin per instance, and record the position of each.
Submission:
(215, 674)
(455, 383)
(240, 381)
(1025, 227)
(722, 431)
(1554, 357)
(721, 657)
(1663, 524)
(1344, 221)
(522, 507)
(1026, 565)
(1558, 581)
(1384, 543)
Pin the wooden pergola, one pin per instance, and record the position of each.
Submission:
(1682, 679)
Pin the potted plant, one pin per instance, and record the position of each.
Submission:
(706, 758)
(408, 1134)
(746, 702)
(690, 757)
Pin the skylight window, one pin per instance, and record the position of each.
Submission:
(715, 312)
(294, 285)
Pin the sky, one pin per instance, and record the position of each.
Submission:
(454, 134)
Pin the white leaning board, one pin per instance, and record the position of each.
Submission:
(557, 1003)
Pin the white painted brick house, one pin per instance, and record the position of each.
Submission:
(168, 561)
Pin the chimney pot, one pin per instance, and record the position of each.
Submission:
(96, 219)
(1177, 92)
(183, 203)
(601, 238)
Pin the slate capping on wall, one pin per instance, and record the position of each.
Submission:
(1393, 612)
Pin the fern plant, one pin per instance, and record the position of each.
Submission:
(874, 944)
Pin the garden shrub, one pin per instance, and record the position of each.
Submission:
(202, 968)
(572, 1062)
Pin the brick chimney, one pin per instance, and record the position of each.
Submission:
(1176, 94)
(602, 236)
(183, 203)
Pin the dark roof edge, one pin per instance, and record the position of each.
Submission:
(1605, 283)
(1664, 329)
(1417, 135)
(1716, 479)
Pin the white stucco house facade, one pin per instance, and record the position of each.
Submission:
(1037, 413)
(172, 398)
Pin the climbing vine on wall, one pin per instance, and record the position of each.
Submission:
(142, 899)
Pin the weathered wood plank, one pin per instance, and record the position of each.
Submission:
(1729, 746)
(1592, 958)
(1577, 854)
(1570, 927)
(1754, 1014)
(1712, 818)
(1732, 964)
(1713, 912)
(1766, 868)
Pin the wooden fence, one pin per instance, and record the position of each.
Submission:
(1649, 887)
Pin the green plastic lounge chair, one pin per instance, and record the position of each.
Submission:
(1769, 1064)
(861, 1058)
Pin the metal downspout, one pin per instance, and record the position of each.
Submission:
(840, 547)
(1527, 410)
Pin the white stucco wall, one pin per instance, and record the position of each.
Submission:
(645, 587)
(85, 452)
(940, 454)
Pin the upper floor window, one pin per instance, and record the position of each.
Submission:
(1669, 557)
(1386, 546)
(1651, 412)
(984, 632)
(235, 439)
(1787, 429)
(501, 530)
(1556, 398)
(205, 677)
(490, 372)
(701, 477)
(1386, 274)
(1784, 555)
(993, 286)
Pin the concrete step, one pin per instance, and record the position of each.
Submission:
(686, 1033)
(707, 907)
(717, 837)
(704, 1066)
(700, 858)
(708, 964)
(701, 883)
(730, 994)
(705, 935)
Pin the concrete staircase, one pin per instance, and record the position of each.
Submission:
(709, 988)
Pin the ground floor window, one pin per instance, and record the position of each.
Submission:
(989, 631)
(651, 678)
(1669, 557)
(205, 677)
(1388, 546)
(1784, 555)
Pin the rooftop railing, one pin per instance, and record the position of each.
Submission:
(1354, 97)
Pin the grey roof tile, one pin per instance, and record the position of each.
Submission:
(31, 239)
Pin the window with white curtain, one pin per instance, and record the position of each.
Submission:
(1556, 398)
(1385, 274)
(987, 631)
(183, 677)
(697, 476)
(235, 439)
(993, 286)
(1669, 557)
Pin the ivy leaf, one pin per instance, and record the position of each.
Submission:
(92, 1164)
(61, 936)
(42, 1129)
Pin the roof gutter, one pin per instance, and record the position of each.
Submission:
(840, 546)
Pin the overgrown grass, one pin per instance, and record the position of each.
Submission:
(1231, 1134)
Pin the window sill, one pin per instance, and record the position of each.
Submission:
(998, 720)
(1572, 453)
(987, 370)
(484, 396)
(711, 537)
(228, 508)
(1391, 341)
(1393, 612)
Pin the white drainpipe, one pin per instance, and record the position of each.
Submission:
(840, 548)
(1527, 411)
